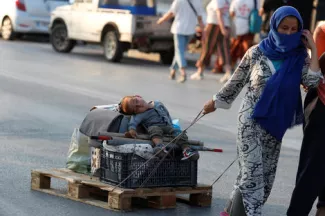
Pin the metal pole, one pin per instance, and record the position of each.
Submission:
(313, 16)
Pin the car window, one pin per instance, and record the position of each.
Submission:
(125, 2)
(135, 2)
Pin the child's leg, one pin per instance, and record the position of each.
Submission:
(156, 134)
(182, 142)
(156, 141)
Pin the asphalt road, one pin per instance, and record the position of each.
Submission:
(45, 95)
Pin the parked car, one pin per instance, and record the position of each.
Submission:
(119, 25)
(26, 16)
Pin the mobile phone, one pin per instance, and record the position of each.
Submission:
(303, 37)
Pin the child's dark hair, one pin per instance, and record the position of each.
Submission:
(124, 107)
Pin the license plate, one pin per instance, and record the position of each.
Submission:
(42, 24)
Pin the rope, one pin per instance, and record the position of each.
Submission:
(224, 171)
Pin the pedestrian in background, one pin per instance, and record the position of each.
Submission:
(186, 13)
(223, 37)
(240, 11)
(209, 40)
(305, 8)
(267, 9)
(319, 37)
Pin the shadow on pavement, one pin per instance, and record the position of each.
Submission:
(95, 53)
(97, 56)
(34, 38)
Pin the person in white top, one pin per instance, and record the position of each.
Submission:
(186, 13)
(240, 11)
(211, 13)
(224, 37)
(222, 22)
(209, 40)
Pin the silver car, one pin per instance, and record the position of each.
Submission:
(26, 16)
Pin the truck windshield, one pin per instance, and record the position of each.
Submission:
(136, 7)
(148, 3)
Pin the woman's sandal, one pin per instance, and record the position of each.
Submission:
(172, 75)
(181, 79)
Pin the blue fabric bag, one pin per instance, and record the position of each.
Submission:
(255, 20)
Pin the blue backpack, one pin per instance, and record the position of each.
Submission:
(255, 21)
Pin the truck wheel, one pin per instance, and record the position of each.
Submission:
(59, 39)
(113, 48)
(166, 57)
(7, 30)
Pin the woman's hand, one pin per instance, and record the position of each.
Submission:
(160, 21)
(310, 44)
(209, 107)
(308, 40)
(305, 88)
(261, 11)
(224, 32)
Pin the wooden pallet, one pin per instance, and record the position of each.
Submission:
(90, 190)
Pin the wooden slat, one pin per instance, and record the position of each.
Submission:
(89, 201)
(57, 174)
(93, 181)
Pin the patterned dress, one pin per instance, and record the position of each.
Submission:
(258, 151)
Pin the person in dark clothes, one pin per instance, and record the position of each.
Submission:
(320, 15)
(266, 12)
(305, 8)
(310, 179)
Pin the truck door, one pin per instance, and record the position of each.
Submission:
(83, 20)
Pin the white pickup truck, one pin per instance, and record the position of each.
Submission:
(119, 25)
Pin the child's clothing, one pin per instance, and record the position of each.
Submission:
(157, 116)
(158, 123)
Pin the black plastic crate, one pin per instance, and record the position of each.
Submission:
(115, 167)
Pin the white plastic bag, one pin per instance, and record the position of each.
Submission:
(79, 153)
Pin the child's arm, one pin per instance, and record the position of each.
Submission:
(134, 122)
